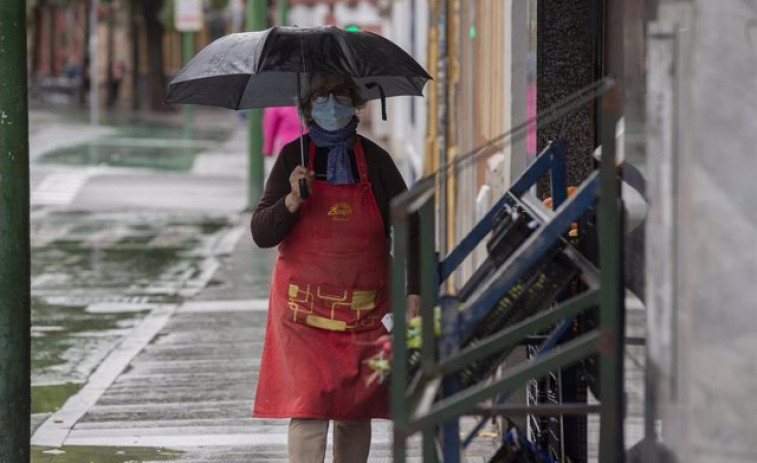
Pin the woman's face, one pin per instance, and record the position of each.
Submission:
(332, 110)
(340, 92)
(340, 95)
(331, 102)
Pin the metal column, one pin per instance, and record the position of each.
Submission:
(257, 19)
(611, 315)
(282, 11)
(94, 58)
(187, 52)
(15, 312)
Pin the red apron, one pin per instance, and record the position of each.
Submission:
(328, 295)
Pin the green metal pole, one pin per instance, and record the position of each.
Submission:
(611, 293)
(15, 311)
(398, 380)
(283, 10)
(429, 287)
(187, 52)
(256, 20)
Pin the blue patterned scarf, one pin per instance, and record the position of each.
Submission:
(339, 142)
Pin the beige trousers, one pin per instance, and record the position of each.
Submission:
(307, 441)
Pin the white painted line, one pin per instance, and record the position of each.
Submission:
(152, 437)
(55, 431)
(229, 241)
(187, 440)
(86, 300)
(116, 307)
(209, 268)
(247, 305)
(167, 407)
(60, 188)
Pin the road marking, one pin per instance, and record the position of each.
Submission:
(86, 300)
(249, 305)
(181, 437)
(228, 242)
(116, 307)
(156, 142)
(55, 431)
(168, 406)
(61, 187)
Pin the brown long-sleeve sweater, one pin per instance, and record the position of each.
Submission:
(272, 221)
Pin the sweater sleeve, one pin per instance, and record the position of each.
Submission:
(271, 220)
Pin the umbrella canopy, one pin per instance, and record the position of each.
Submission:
(259, 69)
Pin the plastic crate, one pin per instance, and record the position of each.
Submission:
(478, 277)
(508, 233)
(511, 227)
(534, 292)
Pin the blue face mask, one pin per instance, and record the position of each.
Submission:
(332, 113)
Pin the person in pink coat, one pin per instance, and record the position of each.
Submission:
(280, 126)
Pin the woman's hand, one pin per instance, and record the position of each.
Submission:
(413, 308)
(294, 198)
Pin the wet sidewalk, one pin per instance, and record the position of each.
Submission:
(183, 381)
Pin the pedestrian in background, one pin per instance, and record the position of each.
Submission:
(117, 73)
(330, 285)
(281, 124)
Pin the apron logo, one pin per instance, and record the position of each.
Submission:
(332, 309)
(340, 211)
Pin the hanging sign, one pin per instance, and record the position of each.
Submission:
(188, 15)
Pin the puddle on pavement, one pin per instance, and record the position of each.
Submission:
(128, 269)
(131, 125)
(140, 143)
(96, 275)
(83, 454)
(48, 399)
(149, 129)
(76, 344)
(101, 153)
(80, 254)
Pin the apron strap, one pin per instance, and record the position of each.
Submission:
(311, 156)
(362, 167)
(357, 148)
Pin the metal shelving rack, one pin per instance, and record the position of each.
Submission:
(432, 401)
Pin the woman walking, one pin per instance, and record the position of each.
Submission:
(329, 290)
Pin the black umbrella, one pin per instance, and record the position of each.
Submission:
(259, 69)
(266, 68)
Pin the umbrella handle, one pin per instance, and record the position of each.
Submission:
(371, 85)
(304, 192)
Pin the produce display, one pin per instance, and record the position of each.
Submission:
(510, 229)
(533, 293)
(381, 362)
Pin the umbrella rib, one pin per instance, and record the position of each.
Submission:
(412, 84)
(244, 90)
